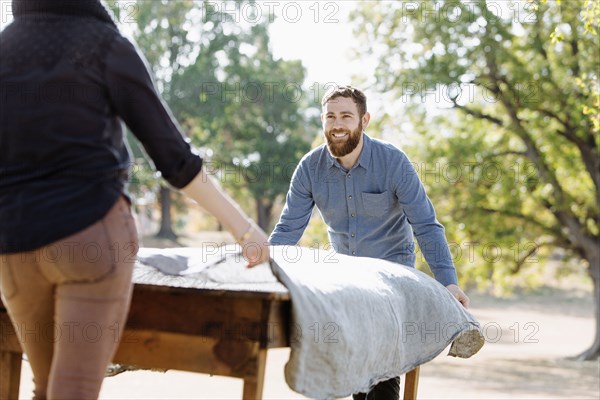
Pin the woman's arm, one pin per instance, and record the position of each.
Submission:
(136, 101)
(209, 195)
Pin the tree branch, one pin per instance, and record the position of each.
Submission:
(506, 153)
(478, 114)
(553, 115)
(548, 229)
(519, 263)
(587, 147)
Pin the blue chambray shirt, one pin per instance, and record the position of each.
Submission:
(370, 211)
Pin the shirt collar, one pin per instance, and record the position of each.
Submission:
(364, 160)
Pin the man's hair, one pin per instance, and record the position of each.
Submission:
(356, 95)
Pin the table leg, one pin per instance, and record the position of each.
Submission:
(253, 385)
(412, 384)
(10, 375)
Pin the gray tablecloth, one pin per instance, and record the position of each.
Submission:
(356, 321)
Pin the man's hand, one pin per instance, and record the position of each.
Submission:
(459, 295)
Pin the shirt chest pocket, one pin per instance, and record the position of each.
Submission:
(376, 204)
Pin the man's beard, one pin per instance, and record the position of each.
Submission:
(340, 149)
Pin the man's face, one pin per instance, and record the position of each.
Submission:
(342, 126)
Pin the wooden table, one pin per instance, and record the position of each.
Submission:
(212, 331)
(220, 332)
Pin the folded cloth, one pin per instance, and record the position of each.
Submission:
(220, 264)
(358, 321)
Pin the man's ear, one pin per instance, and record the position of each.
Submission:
(365, 120)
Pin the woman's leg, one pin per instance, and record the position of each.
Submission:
(29, 299)
(92, 300)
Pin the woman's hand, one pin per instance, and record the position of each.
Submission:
(205, 190)
(255, 245)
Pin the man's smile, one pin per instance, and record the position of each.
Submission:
(339, 135)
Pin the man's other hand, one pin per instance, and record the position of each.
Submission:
(459, 295)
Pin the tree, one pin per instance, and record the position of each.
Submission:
(258, 128)
(163, 36)
(521, 80)
(173, 35)
(230, 95)
(160, 34)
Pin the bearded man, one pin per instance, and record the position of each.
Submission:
(371, 199)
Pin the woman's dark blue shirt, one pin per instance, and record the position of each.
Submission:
(67, 81)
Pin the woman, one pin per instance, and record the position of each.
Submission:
(67, 238)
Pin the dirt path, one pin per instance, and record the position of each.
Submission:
(527, 342)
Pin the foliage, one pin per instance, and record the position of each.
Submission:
(512, 126)
(159, 29)
(522, 119)
(232, 98)
(258, 129)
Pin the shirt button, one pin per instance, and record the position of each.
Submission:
(353, 235)
(350, 196)
(349, 175)
(352, 215)
(353, 253)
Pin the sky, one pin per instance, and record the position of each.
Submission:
(319, 34)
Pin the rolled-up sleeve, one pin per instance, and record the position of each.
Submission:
(298, 208)
(136, 101)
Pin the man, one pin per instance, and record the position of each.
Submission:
(371, 199)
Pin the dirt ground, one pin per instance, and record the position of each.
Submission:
(528, 341)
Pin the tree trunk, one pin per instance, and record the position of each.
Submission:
(264, 209)
(166, 224)
(593, 352)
